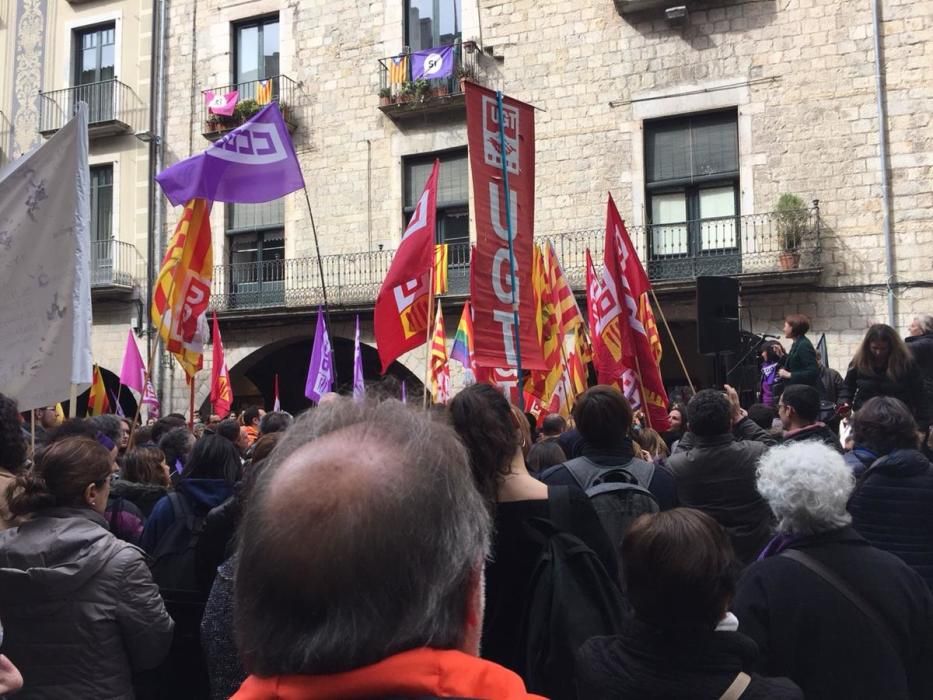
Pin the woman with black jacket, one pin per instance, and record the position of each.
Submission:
(882, 366)
(800, 365)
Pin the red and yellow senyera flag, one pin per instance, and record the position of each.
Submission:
(97, 401)
(440, 372)
(183, 287)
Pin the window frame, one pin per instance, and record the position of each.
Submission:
(78, 33)
(258, 21)
(94, 195)
(435, 25)
(444, 209)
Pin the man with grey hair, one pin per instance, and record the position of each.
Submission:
(837, 616)
(371, 583)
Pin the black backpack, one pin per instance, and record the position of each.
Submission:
(173, 561)
(569, 599)
(618, 494)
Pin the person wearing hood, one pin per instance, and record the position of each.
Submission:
(892, 504)
(144, 481)
(798, 409)
(80, 610)
(682, 642)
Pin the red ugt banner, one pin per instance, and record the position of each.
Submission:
(493, 318)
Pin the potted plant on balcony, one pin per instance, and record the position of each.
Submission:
(466, 71)
(793, 220)
(245, 109)
(385, 96)
(422, 89)
(407, 92)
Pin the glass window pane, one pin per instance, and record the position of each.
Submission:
(715, 145)
(449, 22)
(255, 216)
(101, 203)
(669, 239)
(452, 182)
(420, 29)
(247, 53)
(244, 249)
(717, 203)
(667, 154)
(270, 49)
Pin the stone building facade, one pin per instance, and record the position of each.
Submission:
(55, 53)
(696, 119)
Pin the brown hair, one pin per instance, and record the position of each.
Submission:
(651, 441)
(523, 428)
(60, 475)
(143, 465)
(899, 360)
(603, 416)
(679, 569)
(265, 445)
(799, 324)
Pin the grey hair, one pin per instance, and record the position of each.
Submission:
(925, 322)
(807, 485)
(108, 424)
(350, 576)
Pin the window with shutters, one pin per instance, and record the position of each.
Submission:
(256, 244)
(692, 186)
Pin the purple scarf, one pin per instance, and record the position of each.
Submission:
(778, 544)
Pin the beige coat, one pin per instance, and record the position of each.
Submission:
(6, 520)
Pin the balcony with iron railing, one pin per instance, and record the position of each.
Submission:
(117, 268)
(251, 97)
(113, 108)
(401, 98)
(757, 248)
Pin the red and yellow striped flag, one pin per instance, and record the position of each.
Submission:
(541, 383)
(183, 287)
(398, 69)
(440, 268)
(97, 402)
(264, 92)
(569, 310)
(440, 372)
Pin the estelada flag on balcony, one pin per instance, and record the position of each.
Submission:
(221, 104)
(440, 268)
(440, 372)
(97, 402)
(432, 64)
(253, 163)
(493, 314)
(221, 390)
(183, 287)
(401, 313)
(625, 280)
(398, 69)
(264, 92)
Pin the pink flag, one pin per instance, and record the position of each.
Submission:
(133, 372)
(151, 401)
(221, 104)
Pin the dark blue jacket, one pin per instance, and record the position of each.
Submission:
(892, 507)
(859, 459)
(201, 494)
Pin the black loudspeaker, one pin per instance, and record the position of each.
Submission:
(717, 315)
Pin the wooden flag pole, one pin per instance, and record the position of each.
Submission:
(32, 420)
(73, 401)
(191, 402)
(139, 405)
(429, 333)
(641, 391)
(673, 341)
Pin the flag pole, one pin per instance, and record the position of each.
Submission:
(32, 420)
(673, 341)
(508, 223)
(73, 401)
(191, 402)
(139, 405)
(430, 331)
(320, 263)
(641, 391)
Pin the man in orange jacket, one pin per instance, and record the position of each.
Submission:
(372, 586)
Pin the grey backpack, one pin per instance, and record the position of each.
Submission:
(618, 494)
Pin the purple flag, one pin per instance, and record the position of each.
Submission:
(253, 163)
(359, 388)
(117, 408)
(432, 64)
(404, 393)
(321, 368)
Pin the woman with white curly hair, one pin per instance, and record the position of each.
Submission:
(831, 612)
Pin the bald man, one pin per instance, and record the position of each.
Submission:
(372, 586)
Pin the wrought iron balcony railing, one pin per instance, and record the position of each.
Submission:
(252, 96)
(116, 265)
(399, 94)
(757, 243)
(113, 108)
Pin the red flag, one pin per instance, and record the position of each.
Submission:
(627, 283)
(493, 315)
(221, 391)
(401, 313)
(504, 379)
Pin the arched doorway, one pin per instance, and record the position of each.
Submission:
(253, 378)
(116, 393)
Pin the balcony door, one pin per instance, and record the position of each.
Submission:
(256, 240)
(430, 23)
(692, 182)
(102, 253)
(93, 77)
(256, 55)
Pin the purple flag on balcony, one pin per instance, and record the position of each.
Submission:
(432, 64)
(321, 368)
(253, 163)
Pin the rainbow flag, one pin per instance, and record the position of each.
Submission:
(462, 350)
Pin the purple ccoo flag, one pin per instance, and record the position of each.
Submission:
(253, 163)
(432, 64)
(359, 388)
(321, 368)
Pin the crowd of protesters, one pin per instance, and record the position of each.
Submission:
(370, 549)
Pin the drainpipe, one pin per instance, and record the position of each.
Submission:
(158, 240)
(883, 162)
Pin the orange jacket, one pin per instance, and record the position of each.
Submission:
(419, 673)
